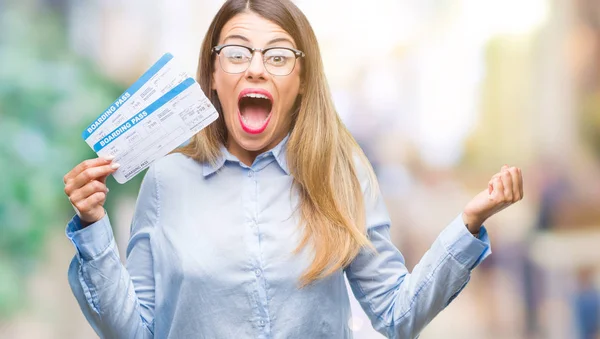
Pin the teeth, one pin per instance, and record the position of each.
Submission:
(247, 122)
(256, 95)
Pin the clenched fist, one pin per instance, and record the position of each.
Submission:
(504, 189)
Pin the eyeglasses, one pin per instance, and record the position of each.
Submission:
(235, 59)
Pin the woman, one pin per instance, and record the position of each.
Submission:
(248, 230)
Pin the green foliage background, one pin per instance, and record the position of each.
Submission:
(48, 95)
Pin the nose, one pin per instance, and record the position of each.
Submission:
(256, 69)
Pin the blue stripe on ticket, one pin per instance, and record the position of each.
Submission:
(129, 124)
(127, 94)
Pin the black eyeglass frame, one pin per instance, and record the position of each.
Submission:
(297, 53)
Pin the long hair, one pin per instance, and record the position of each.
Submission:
(321, 153)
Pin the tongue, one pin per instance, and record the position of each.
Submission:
(254, 115)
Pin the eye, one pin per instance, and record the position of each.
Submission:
(277, 60)
(236, 54)
(278, 56)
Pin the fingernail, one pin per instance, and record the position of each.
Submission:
(115, 165)
(109, 157)
(107, 190)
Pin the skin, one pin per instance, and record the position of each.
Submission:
(504, 189)
(251, 30)
(85, 185)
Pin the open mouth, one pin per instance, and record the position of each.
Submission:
(254, 107)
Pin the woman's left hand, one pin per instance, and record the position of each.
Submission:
(504, 189)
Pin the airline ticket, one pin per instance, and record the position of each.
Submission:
(160, 111)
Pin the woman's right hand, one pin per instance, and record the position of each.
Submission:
(85, 185)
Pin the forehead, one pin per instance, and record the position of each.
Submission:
(258, 30)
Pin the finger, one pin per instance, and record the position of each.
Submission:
(514, 175)
(87, 190)
(502, 169)
(521, 182)
(498, 192)
(491, 182)
(103, 179)
(88, 204)
(100, 161)
(92, 173)
(495, 176)
(508, 185)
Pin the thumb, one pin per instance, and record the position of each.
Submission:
(497, 188)
(103, 179)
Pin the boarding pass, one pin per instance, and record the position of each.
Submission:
(160, 111)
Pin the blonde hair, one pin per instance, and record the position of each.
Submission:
(321, 153)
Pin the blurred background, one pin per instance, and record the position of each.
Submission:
(440, 94)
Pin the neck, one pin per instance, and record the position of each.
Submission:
(245, 156)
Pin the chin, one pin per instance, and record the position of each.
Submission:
(254, 142)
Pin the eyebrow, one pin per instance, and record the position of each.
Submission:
(236, 36)
(281, 40)
(273, 41)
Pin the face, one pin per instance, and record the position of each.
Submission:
(257, 106)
